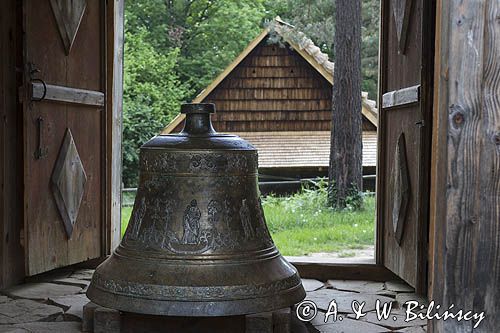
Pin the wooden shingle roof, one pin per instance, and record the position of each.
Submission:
(302, 149)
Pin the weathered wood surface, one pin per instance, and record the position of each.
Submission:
(466, 187)
(401, 97)
(68, 15)
(398, 71)
(400, 186)
(46, 244)
(11, 252)
(402, 11)
(114, 107)
(68, 182)
(66, 94)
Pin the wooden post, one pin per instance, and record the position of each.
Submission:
(465, 195)
(114, 105)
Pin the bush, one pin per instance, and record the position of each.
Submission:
(151, 98)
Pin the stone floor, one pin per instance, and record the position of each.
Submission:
(54, 303)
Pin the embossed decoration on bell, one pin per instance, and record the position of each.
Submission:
(68, 182)
(197, 243)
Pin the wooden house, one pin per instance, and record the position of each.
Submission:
(278, 96)
(438, 154)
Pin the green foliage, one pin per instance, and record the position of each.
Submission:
(369, 46)
(216, 39)
(152, 95)
(316, 18)
(148, 16)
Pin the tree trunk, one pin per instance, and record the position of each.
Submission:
(345, 172)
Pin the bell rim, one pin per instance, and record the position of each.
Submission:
(189, 308)
(192, 292)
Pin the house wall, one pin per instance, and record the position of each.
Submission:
(273, 89)
(11, 146)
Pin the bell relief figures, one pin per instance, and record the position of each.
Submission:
(246, 222)
(154, 227)
(137, 217)
(191, 223)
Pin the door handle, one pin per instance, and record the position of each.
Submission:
(40, 152)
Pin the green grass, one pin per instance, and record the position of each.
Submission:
(302, 224)
(126, 212)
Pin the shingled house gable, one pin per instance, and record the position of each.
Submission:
(273, 89)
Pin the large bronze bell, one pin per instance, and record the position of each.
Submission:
(197, 243)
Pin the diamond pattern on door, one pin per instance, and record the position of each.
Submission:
(401, 11)
(400, 184)
(68, 14)
(68, 182)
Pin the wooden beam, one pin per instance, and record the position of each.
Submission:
(405, 96)
(51, 92)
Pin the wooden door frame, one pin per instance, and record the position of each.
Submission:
(113, 137)
(11, 207)
(464, 213)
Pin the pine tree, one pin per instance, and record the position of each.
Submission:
(345, 172)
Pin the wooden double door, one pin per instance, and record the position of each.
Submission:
(64, 132)
(405, 129)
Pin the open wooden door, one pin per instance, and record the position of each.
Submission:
(64, 132)
(406, 71)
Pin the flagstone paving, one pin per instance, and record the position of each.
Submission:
(54, 303)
